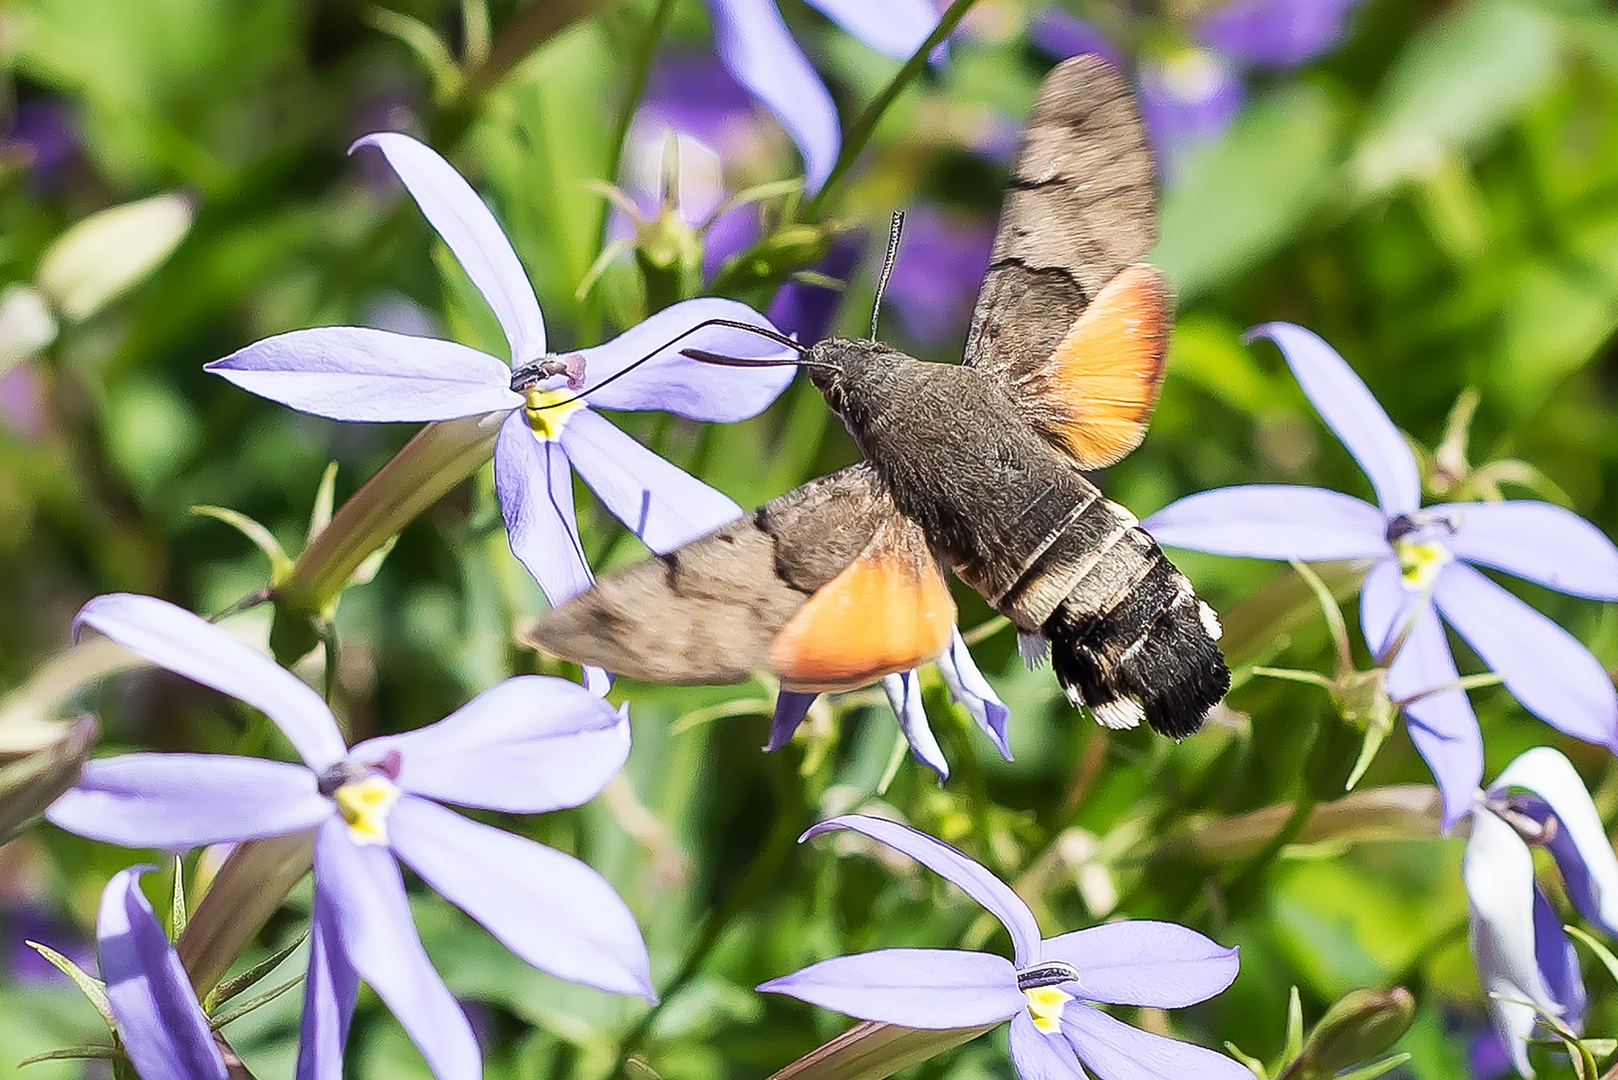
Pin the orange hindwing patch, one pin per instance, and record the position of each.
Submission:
(888, 610)
(1093, 397)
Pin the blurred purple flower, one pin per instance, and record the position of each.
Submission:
(528, 745)
(1046, 992)
(160, 1022)
(354, 373)
(26, 922)
(967, 687)
(938, 274)
(1424, 561)
(1190, 93)
(754, 46)
(47, 130)
(809, 310)
(1524, 958)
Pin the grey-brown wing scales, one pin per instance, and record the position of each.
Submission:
(807, 563)
(1080, 207)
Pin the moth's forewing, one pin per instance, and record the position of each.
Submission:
(1080, 207)
(712, 611)
(887, 611)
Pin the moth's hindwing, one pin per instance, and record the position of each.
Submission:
(813, 585)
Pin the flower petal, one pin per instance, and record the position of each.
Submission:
(1272, 521)
(1537, 541)
(549, 908)
(1188, 97)
(664, 379)
(180, 801)
(351, 373)
(915, 988)
(467, 226)
(1037, 1056)
(972, 691)
(1058, 34)
(1442, 724)
(790, 709)
(951, 865)
(159, 1018)
(527, 745)
(661, 503)
(1498, 871)
(1276, 33)
(1547, 669)
(331, 988)
(1140, 962)
(904, 695)
(896, 28)
(367, 900)
(1558, 962)
(1579, 841)
(173, 638)
(1349, 409)
(756, 49)
(1115, 1051)
(535, 485)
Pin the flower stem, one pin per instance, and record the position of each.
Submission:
(859, 132)
(439, 457)
(248, 889)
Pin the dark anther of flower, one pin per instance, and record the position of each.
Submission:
(1049, 973)
(529, 376)
(352, 772)
(1402, 525)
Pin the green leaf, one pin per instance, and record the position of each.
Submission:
(92, 988)
(1602, 953)
(1457, 85)
(230, 987)
(219, 1020)
(1248, 195)
(1372, 1071)
(280, 564)
(177, 908)
(325, 503)
(74, 1053)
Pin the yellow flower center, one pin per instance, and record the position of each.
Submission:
(1045, 1004)
(548, 410)
(1420, 561)
(364, 804)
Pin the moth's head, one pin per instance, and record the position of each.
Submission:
(847, 371)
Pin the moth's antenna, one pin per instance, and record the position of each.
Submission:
(530, 375)
(887, 267)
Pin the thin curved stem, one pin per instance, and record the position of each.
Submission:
(859, 132)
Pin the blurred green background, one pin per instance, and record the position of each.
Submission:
(1438, 198)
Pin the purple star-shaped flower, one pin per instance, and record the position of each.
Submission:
(528, 745)
(160, 1022)
(1046, 991)
(755, 47)
(1190, 93)
(1524, 958)
(967, 687)
(1424, 569)
(355, 373)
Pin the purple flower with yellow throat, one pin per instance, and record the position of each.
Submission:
(1050, 990)
(528, 745)
(553, 428)
(1426, 565)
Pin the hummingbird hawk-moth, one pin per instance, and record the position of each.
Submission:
(977, 465)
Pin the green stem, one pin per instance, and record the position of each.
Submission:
(761, 877)
(440, 456)
(640, 73)
(1246, 881)
(247, 891)
(859, 132)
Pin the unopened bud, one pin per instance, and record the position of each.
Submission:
(1361, 1026)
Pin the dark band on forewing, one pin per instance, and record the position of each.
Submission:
(1079, 208)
